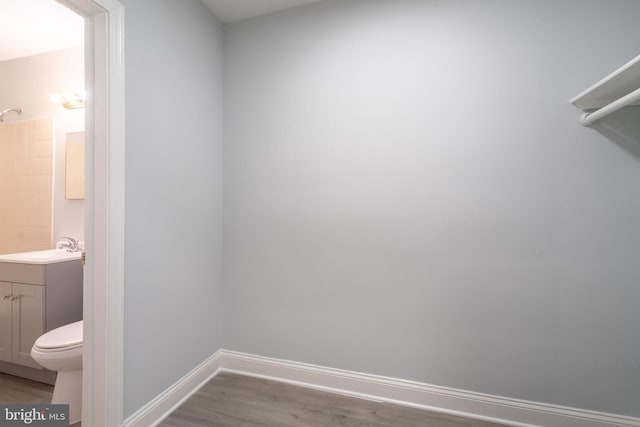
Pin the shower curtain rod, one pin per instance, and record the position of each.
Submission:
(587, 119)
(8, 110)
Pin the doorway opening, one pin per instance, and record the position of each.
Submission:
(104, 211)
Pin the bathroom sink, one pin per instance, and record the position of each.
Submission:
(41, 257)
(50, 254)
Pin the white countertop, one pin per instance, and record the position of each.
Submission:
(49, 256)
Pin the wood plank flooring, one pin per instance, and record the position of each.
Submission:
(20, 390)
(235, 400)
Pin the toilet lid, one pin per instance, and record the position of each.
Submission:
(64, 337)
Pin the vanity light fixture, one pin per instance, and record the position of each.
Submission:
(69, 100)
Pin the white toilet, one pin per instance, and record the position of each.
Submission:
(61, 350)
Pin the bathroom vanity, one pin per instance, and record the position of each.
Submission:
(39, 291)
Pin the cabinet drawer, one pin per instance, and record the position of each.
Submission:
(33, 274)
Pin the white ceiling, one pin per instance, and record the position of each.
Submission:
(236, 10)
(30, 27)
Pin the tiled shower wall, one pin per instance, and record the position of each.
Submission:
(26, 166)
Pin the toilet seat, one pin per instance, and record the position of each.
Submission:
(64, 338)
(60, 349)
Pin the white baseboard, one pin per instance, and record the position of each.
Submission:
(512, 412)
(166, 402)
(502, 410)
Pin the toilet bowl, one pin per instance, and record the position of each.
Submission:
(61, 350)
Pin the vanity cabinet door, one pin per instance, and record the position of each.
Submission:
(5, 321)
(28, 322)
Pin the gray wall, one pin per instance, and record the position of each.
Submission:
(173, 193)
(29, 83)
(409, 193)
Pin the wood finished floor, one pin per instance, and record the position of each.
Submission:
(235, 400)
(20, 390)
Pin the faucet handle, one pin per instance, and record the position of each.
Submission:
(71, 244)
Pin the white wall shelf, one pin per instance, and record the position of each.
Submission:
(619, 89)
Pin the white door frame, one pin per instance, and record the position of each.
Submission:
(104, 212)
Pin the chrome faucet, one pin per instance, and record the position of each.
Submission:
(71, 244)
